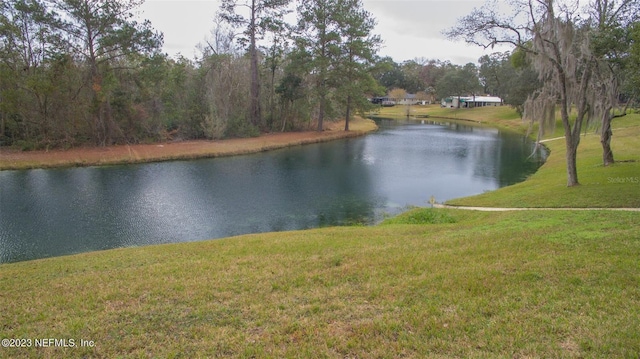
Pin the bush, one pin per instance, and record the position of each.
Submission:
(423, 216)
(241, 127)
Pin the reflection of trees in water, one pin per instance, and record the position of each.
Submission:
(341, 188)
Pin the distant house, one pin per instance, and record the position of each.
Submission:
(409, 99)
(471, 101)
(383, 101)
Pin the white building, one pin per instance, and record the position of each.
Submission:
(471, 101)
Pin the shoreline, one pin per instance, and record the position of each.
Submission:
(427, 281)
(11, 159)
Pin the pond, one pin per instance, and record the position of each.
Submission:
(55, 212)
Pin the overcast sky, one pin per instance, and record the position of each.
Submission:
(409, 28)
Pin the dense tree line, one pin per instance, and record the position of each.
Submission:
(508, 75)
(76, 72)
(71, 72)
(79, 72)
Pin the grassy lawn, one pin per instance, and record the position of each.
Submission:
(429, 283)
(503, 117)
(613, 186)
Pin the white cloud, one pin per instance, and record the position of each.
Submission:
(413, 28)
(184, 23)
(409, 28)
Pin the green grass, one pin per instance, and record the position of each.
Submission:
(443, 283)
(521, 284)
(613, 186)
(503, 117)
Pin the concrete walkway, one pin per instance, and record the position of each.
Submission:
(551, 139)
(498, 209)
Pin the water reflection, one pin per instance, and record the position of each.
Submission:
(55, 212)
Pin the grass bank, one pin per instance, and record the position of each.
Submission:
(613, 186)
(429, 283)
(502, 117)
(95, 156)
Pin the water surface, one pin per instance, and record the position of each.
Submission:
(55, 212)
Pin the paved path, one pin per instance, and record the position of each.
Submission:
(498, 209)
(551, 139)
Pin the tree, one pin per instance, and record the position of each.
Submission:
(562, 64)
(274, 59)
(399, 95)
(558, 39)
(358, 48)
(459, 81)
(102, 32)
(290, 89)
(413, 75)
(318, 41)
(431, 73)
(565, 69)
(170, 93)
(632, 71)
(263, 14)
(412, 80)
(611, 21)
(225, 86)
(389, 74)
(524, 81)
(510, 76)
(495, 72)
(29, 46)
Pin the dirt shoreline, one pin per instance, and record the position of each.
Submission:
(142, 153)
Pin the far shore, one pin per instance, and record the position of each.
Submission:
(11, 159)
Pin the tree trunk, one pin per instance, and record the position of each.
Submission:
(571, 141)
(100, 130)
(572, 135)
(255, 90)
(255, 114)
(321, 112)
(285, 112)
(572, 169)
(272, 95)
(346, 122)
(605, 139)
(2, 125)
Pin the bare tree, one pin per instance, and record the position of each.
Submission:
(557, 40)
(225, 83)
(400, 95)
